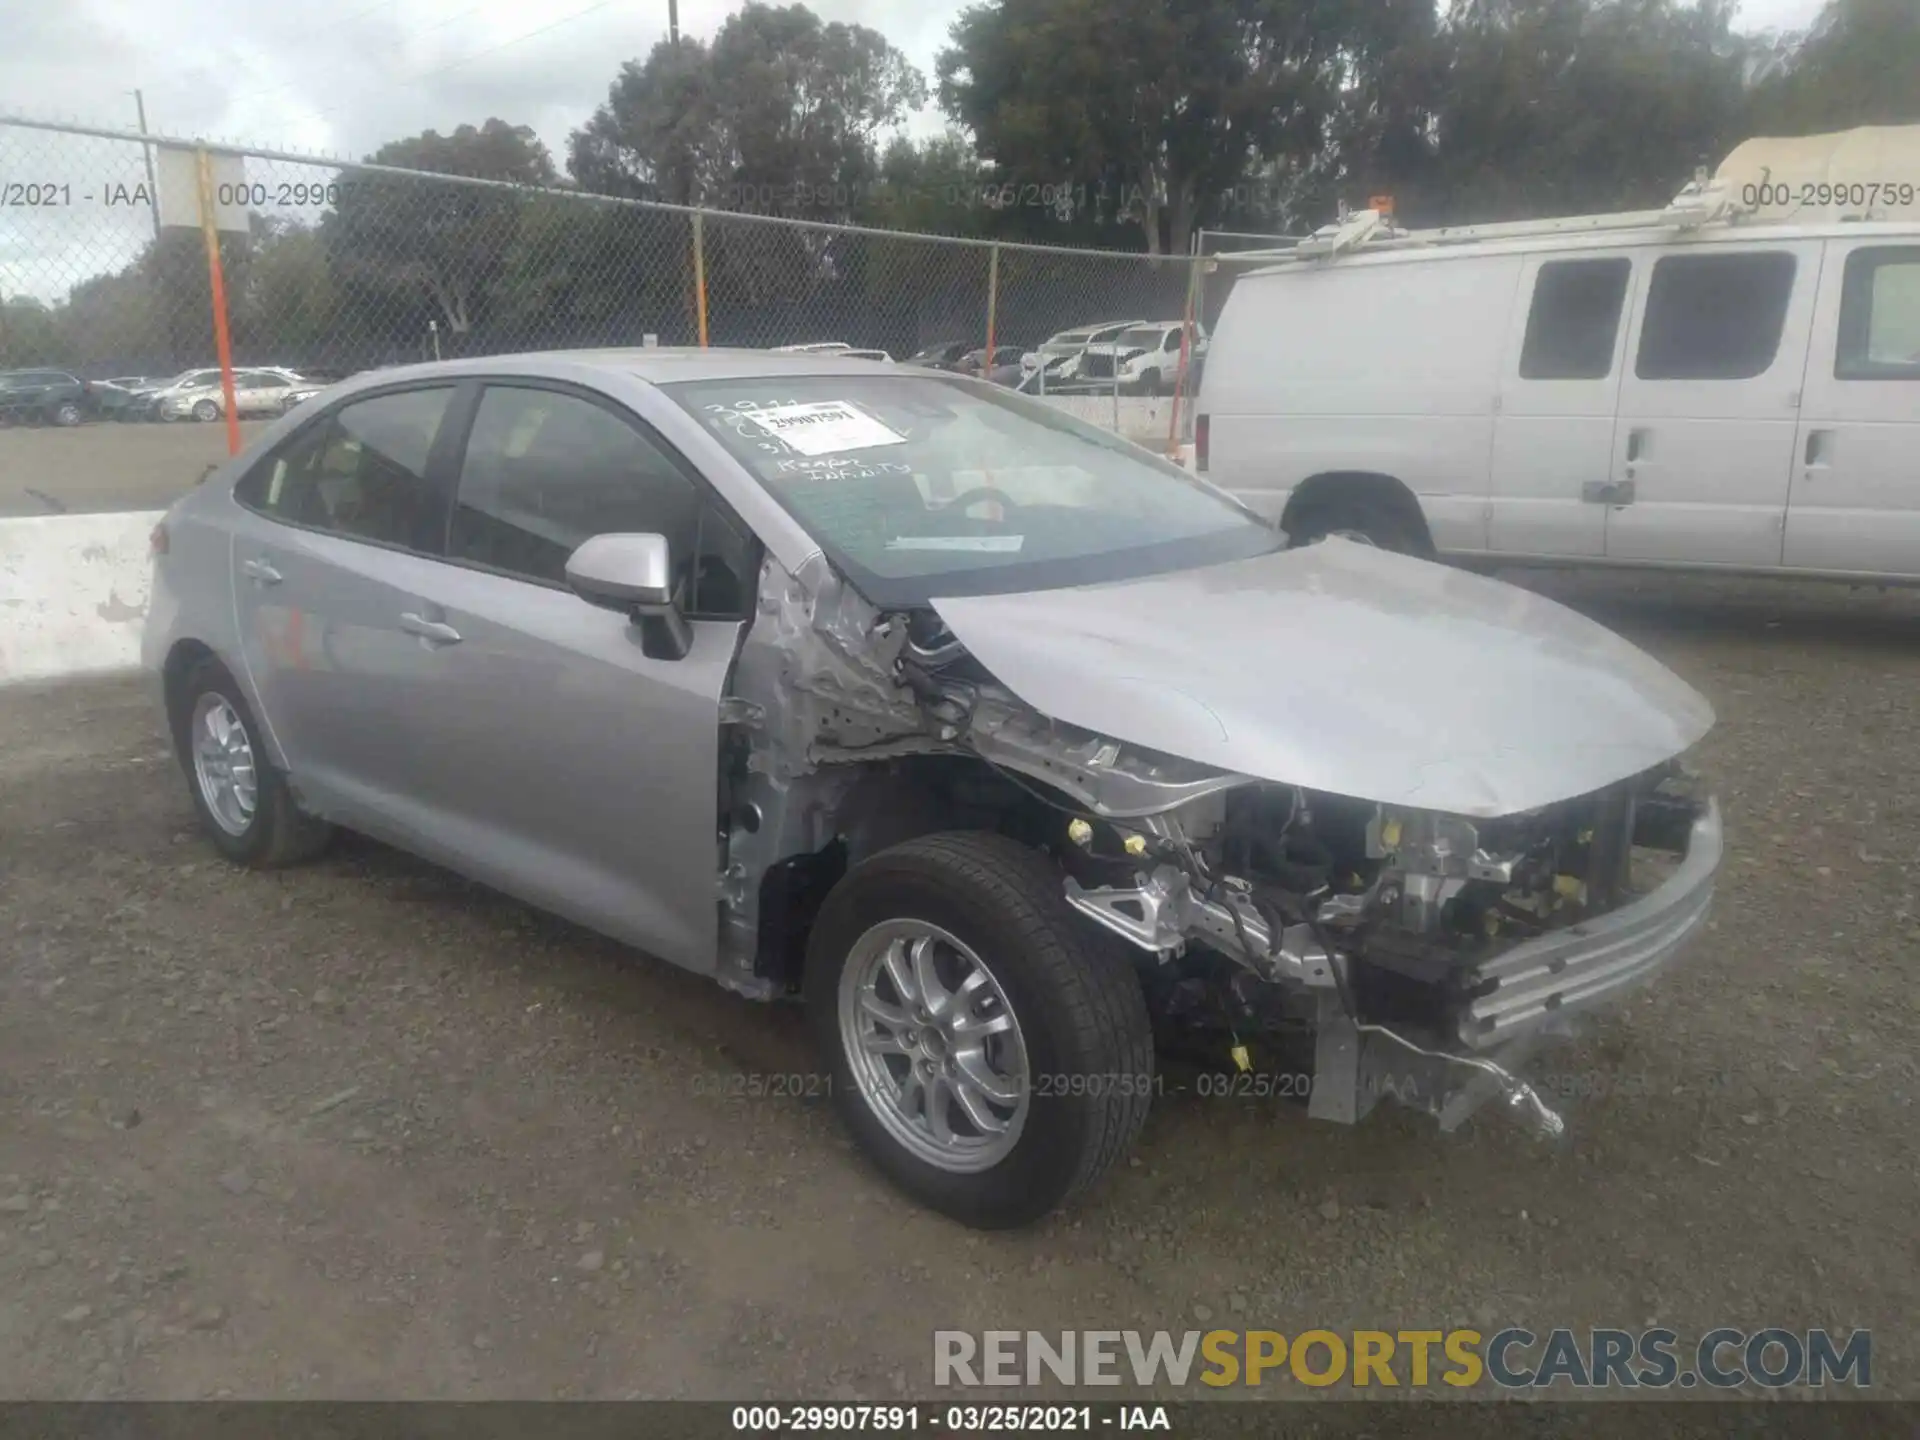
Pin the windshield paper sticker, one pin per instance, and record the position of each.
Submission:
(825, 427)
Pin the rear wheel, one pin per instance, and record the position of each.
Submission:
(243, 802)
(989, 1052)
(66, 412)
(206, 410)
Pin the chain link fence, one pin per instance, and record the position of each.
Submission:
(332, 267)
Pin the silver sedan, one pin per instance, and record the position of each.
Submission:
(1013, 750)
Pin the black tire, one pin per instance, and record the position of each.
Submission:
(1077, 1001)
(1150, 383)
(1371, 524)
(66, 413)
(279, 833)
(206, 410)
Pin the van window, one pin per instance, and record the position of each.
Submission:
(1575, 319)
(1880, 315)
(1715, 317)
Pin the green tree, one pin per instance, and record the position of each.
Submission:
(29, 333)
(1156, 111)
(408, 251)
(289, 305)
(782, 113)
(1858, 65)
(1549, 107)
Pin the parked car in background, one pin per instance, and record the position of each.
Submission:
(867, 355)
(935, 708)
(813, 347)
(44, 397)
(1142, 359)
(944, 356)
(1059, 355)
(1004, 369)
(1690, 387)
(154, 398)
(255, 393)
(124, 397)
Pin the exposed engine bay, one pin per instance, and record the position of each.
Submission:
(1382, 949)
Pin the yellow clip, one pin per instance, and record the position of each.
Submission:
(1390, 834)
(1570, 887)
(1134, 844)
(1241, 1058)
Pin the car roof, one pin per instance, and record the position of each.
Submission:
(664, 365)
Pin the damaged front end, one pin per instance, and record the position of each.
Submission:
(1383, 950)
(1421, 957)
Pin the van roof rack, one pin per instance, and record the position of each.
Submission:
(1702, 202)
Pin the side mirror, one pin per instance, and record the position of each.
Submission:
(634, 574)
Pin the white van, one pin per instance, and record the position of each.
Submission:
(1691, 387)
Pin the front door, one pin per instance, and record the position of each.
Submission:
(1854, 502)
(568, 766)
(1710, 405)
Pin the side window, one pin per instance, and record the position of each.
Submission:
(1715, 317)
(1575, 319)
(545, 471)
(360, 471)
(1880, 315)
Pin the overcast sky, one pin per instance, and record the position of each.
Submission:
(338, 77)
(342, 76)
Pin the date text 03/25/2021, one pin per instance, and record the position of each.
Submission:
(910, 1419)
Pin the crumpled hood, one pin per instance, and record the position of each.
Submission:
(1343, 668)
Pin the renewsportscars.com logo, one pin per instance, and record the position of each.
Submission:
(1510, 1359)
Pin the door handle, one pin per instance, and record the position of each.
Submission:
(434, 632)
(1637, 445)
(260, 571)
(1819, 446)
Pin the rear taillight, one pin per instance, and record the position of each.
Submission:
(1200, 429)
(157, 541)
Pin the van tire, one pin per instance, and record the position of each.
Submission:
(1362, 521)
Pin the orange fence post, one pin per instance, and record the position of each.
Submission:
(700, 276)
(217, 288)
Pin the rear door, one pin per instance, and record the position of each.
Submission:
(334, 551)
(1854, 503)
(1553, 433)
(1710, 406)
(566, 765)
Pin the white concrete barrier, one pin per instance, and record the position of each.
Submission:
(73, 593)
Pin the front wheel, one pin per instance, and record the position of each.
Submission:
(67, 413)
(988, 1050)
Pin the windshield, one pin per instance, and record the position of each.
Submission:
(920, 486)
(1071, 337)
(1142, 337)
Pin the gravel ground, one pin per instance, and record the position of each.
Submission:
(363, 1129)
